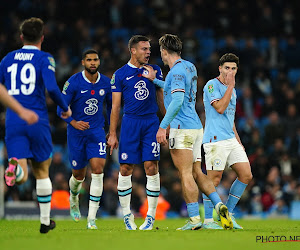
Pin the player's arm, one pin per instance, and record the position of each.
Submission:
(237, 135)
(114, 119)
(152, 76)
(222, 104)
(48, 74)
(25, 114)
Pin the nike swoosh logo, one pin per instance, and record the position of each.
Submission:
(129, 77)
(155, 155)
(83, 91)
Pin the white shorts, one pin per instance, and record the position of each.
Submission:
(221, 154)
(190, 139)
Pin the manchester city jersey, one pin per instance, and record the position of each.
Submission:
(218, 127)
(26, 72)
(86, 101)
(183, 77)
(138, 93)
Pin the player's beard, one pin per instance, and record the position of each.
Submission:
(92, 71)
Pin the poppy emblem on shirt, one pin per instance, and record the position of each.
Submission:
(93, 92)
(101, 92)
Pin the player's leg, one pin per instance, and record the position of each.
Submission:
(129, 155)
(75, 184)
(183, 161)
(18, 150)
(44, 193)
(150, 157)
(96, 189)
(238, 161)
(124, 192)
(78, 161)
(153, 191)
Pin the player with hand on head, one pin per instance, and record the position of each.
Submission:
(86, 93)
(139, 125)
(180, 87)
(221, 142)
(26, 73)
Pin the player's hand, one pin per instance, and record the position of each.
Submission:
(230, 79)
(168, 132)
(152, 73)
(29, 116)
(112, 142)
(67, 114)
(80, 125)
(161, 136)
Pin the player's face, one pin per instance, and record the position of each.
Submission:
(141, 52)
(163, 54)
(226, 68)
(91, 63)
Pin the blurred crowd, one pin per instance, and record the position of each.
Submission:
(261, 32)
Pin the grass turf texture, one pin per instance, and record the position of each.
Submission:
(111, 234)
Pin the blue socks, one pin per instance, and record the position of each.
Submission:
(208, 207)
(235, 193)
(193, 209)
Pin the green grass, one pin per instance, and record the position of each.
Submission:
(112, 235)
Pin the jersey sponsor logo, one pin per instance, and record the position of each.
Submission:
(101, 92)
(65, 87)
(51, 61)
(112, 81)
(92, 107)
(210, 88)
(83, 91)
(142, 92)
(124, 156)
(23, 56)
(129, 77)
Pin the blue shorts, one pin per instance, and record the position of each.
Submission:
(138, 140)
(84, 147)
(29, 141)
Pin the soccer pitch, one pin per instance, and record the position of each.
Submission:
(111, 234)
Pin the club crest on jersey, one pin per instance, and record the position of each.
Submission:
(124, 156)
(145, 72)
(217, 163)
(142, 92)
(92, 107)
(210, 88)
(101, 92)
(65, 87)
(74, 163)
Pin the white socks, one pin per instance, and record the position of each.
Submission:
(152, 190)
(96, 190)
(75, 186)
(44, 192)
(124, 192)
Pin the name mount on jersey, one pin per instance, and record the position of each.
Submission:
(23, 56)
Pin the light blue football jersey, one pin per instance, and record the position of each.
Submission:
(218, 127)
(183, 77)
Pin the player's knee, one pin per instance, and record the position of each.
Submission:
(216, 181)
(126, 170)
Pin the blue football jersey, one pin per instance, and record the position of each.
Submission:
(86, 101)
(183, 77)
(218, 127)
(138, 93)
(26, 73)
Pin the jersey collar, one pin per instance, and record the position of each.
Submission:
(132, 66)
(85, 78)
(30, 47)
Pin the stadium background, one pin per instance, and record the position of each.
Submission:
(262, 33)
